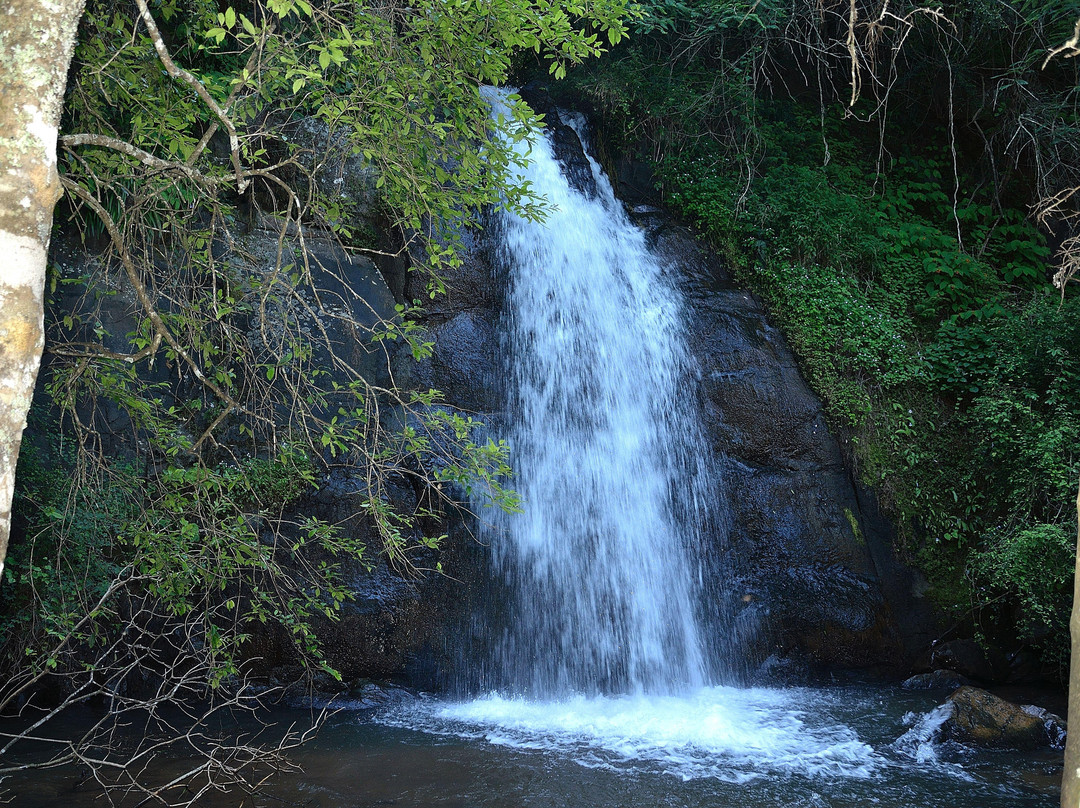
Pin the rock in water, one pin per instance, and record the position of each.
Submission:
(1053, 724)
(936, 680)
(980, 718)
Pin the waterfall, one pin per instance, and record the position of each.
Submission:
(607, 636)
(602, 575)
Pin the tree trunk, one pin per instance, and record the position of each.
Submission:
(36, 42)
(1070, 778)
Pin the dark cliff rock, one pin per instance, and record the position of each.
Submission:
(565, 141)
(969, 658)
(935, 680)
(393, 626)
(815, 575)
(462, 364)
(812, 552)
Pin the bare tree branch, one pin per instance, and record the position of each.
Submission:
(178, 72)
(143, 156)
(144, 297)
(1069, 49)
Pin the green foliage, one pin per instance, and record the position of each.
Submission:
(265, 484)
(1034, 563)
(212, 535)
(1027, 416)
(960, 358)
(708, 19)
(851, 339)
(811, 214)
(419, 119)
(189, 535)
(963, 271)
(53, 580)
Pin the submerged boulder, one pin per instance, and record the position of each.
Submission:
(1053, 724)
(979, 718)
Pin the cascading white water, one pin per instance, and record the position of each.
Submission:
(600, 570)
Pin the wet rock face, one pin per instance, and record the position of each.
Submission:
(326, 157)
(815, 579)
(967, 657)
(796, 522)
(571, 156)
(567, 145)
(813, 556)
(979, 718)
(816, 582)
(463, 361)
(393, 629)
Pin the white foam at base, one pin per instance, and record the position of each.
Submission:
(921, 743)
(730, 734)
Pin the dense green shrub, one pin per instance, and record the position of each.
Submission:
(1034, 563)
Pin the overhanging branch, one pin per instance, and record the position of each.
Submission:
(178, 72)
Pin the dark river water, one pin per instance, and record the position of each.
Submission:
(836, 747)
(721, 747)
